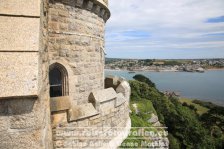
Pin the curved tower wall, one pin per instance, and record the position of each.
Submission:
(76, 40)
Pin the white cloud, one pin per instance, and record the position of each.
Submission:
(171, 24)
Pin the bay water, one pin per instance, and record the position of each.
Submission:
(208, 86)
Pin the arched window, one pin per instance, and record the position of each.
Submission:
(58, 80)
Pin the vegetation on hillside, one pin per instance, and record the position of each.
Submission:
(187, 129)
(200, 109)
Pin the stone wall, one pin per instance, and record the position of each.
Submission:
(94, 132)
(24, 94)
(76, 40)
(105, 125)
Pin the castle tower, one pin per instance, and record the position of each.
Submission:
(76, 42)
(52, 76)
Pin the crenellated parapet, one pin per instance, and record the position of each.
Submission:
(99, 7)
(106, 117)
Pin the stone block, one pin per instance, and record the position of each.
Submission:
(24, 121)
(52, 11)
(83, 123)
(102, 12)
(82, 111)
(59, 118)
(125, 89)
(63, 13)
(85, 41)
(63, 27)
(89, 5)
(3, 124)
(72, 27)
(19, 74)
(19, 34)
(29, 139)
(106, 16)
(106, 108)
(112, 81)
(53, 26)
(20, 7)
(95, 121)
(60, 103)
(97, 9)
(24, 114)
(102, 96)
(79, 3)
(4, 107)
(120, 99)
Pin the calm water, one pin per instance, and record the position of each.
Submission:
(205, 86)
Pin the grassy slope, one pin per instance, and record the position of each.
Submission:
(200, 109)
(145, 109)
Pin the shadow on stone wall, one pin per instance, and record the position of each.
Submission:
(16, 106)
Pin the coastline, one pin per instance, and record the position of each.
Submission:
(143, 70)
(163, 70)
(215, 102)
(210, 69)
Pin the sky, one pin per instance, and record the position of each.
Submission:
(165, 29)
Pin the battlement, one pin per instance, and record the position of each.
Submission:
(107, 111)
(99, 7)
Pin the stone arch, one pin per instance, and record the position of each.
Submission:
(58, 77)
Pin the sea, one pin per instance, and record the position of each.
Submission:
(207, 86)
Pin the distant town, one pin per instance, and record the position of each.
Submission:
(187, 65)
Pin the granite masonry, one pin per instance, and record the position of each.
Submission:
(53, 93)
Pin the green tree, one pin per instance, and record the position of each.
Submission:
(144, 79)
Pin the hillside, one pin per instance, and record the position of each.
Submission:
(187, 128)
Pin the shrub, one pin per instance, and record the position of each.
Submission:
(144, 79)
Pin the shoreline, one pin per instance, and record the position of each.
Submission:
(215, 102)
(165, 70)
(143, 70)
(210, 69)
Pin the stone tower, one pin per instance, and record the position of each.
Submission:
(52, 77)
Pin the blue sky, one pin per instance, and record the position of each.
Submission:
(165, 29)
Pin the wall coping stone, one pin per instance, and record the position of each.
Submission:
(113, 81)
(120, 100)
(103, 95)
(60, 103)
(83, 111)
(125, 89)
